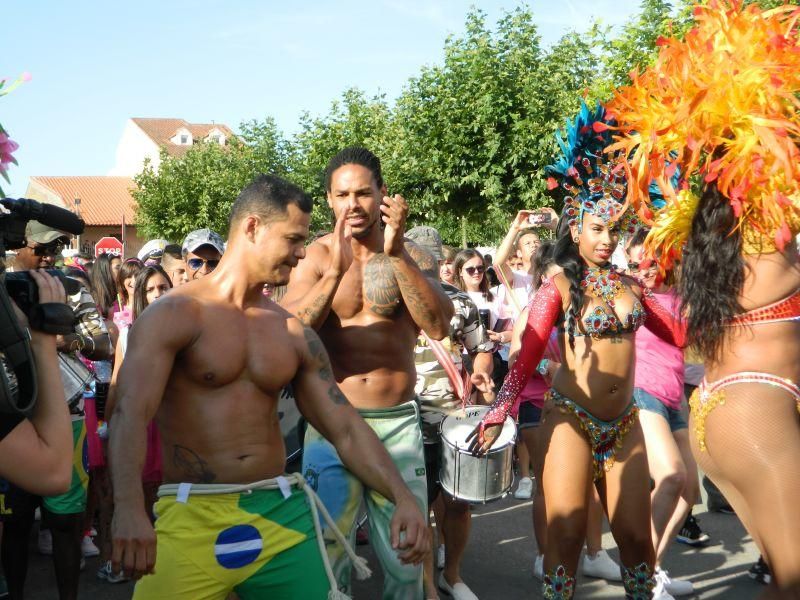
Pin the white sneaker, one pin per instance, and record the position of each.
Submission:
(659, 592)
(459, 591)
(676, 587)
(440, 557)
(524, 489)
(602, 566)
(45, 542)
(88, 548)
(538, 567)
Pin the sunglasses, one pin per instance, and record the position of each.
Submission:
(644, 265)
(473, 270)
(196, 263)
(47, 250)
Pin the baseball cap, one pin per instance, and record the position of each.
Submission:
(427, 238)
(153, 248)
(43, 234)
(203, 237)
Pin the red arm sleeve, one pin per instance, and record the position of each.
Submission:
(663, 323)
(545, 307)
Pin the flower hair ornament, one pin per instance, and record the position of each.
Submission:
(721, 107)
(587, 179)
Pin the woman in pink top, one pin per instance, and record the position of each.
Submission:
(658, 392)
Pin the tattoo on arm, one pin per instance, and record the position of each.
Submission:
(380, 286)
(195, 469)
(317, 352)
(312, 312)
(414, 300)
(424, 259)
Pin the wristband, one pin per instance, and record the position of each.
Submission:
(542, 367)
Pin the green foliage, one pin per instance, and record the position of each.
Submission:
(355, 120)
(466, 142)
(475, 132)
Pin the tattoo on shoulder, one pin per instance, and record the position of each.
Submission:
(320, 356)
(194, 467)
(380, 286)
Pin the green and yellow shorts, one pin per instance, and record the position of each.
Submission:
(257, 543)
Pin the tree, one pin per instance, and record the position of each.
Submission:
(474, 134)
(354, 120)
(198, 189)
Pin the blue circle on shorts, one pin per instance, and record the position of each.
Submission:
(238, 546)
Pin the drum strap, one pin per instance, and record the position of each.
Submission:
(459, 381)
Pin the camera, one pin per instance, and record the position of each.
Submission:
(17, 367)
(25, 292)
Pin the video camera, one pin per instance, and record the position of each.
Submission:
(17, 367)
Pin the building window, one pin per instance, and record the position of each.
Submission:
(184, 139)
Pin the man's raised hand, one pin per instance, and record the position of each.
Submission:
(341, 251)
(394, 212)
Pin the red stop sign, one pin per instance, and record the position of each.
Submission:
(108, 245)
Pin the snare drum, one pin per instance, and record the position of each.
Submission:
(470, 478)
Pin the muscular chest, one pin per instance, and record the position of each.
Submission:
(250, 348)
(369, 287)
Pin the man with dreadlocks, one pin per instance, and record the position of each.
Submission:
(590, 426)
(721, 106)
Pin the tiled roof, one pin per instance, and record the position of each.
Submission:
(162, 130)
(103, 199)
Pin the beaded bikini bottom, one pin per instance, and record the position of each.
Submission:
(709, 395)
(605, 437)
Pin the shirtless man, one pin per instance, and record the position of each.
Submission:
(208, 361)
(368, 299)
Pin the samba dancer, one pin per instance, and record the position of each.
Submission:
(722, 107)
(590, 428)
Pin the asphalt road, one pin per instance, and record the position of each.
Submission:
(499, 559)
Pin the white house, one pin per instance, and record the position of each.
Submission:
(143, 139)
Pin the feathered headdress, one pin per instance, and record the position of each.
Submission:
(588, 179)
(720, 105)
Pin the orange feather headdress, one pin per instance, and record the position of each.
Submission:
(721, 105)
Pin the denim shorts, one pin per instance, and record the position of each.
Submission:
(529, 415)
(646, 401)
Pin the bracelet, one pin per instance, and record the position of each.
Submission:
(89, 339)
(542, 367)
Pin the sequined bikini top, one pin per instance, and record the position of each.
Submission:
(606, 285)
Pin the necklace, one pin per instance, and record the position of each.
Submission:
(603, 283)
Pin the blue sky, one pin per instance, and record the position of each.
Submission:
(94, 66)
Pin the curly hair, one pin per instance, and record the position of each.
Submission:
(712, 273)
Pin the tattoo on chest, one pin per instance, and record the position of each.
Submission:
(380, 286)
(194, 468)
